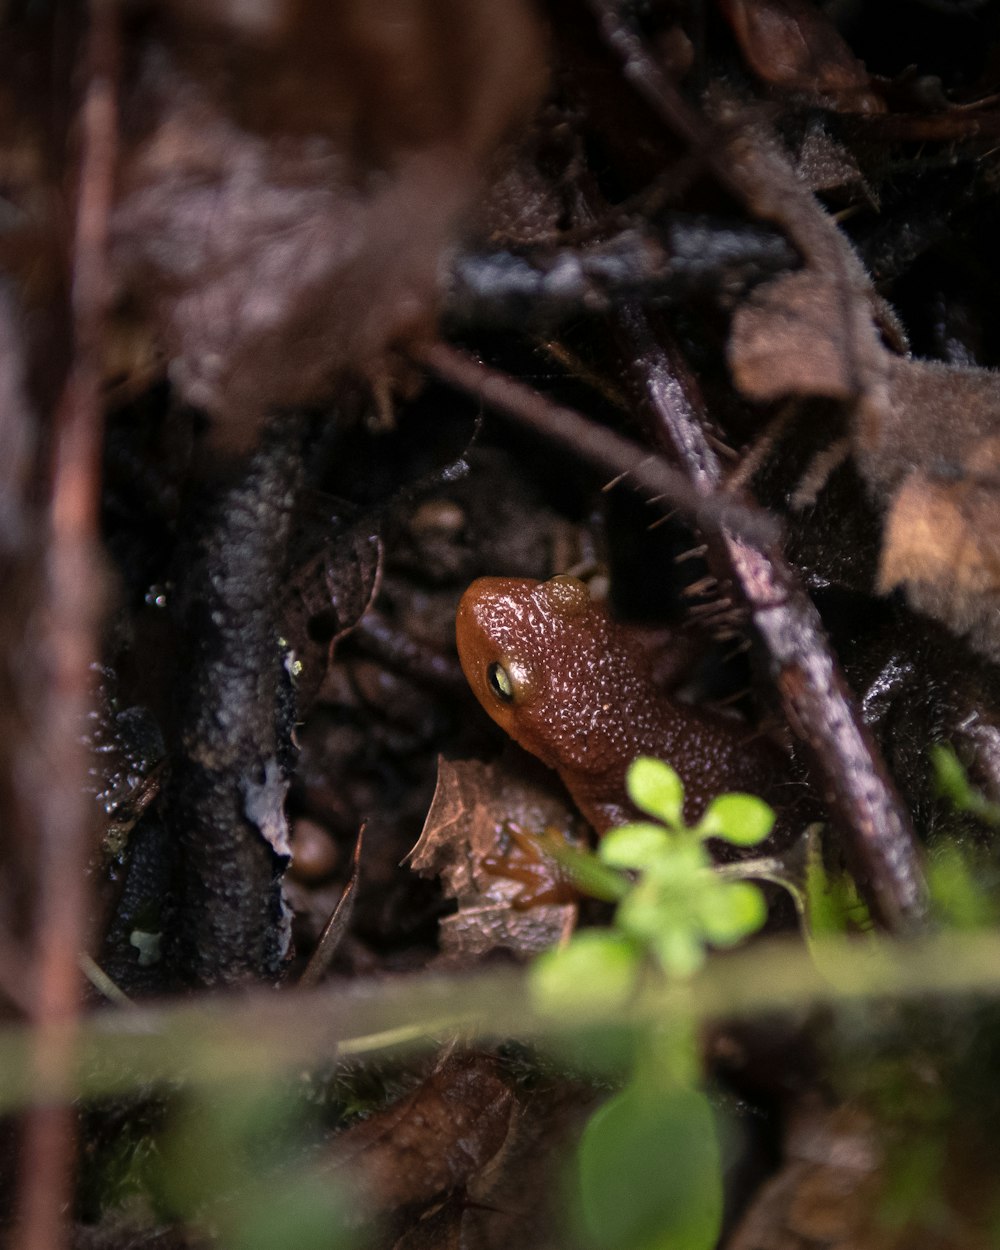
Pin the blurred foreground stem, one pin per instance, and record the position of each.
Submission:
(265, 1034)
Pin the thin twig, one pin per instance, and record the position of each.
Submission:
(649, 473)
(816, 699)
(336, 926)
(101, 982)
(73, 597)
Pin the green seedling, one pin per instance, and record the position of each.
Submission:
(648, 1174)
(963, 881)
(954, 784)
(672, 904)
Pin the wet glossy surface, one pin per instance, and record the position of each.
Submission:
(582, 698)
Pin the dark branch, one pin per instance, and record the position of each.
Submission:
(816, 699)
(696, 255)
(229, 774)
(606, 450)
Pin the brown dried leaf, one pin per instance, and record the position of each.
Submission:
(785, 341)
(841, 1169)
(328, 592)
(942, 418)
(924, 434)
(926, 439)
(438, 1139)
(285, 225)
(942, 544)
(472, 805)
(792, 44)
(813, 332)
(929, 447)
(518, 1199)
(826, 1191)
(824, 164)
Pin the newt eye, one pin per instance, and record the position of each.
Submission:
(500, 682)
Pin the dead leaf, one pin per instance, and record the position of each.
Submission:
(280, 227)
(826, 1191)
(930, 448)
(924, 434)
(794, 45)
(785, 342)
(328, 591)
(942, 545)
(518, 1199)
(823, 164)
(436, 1140)
(838, 1174)
(812, 332)
(472, 806)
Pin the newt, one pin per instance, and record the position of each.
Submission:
(577, 689)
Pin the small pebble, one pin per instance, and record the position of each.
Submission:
(315, 855)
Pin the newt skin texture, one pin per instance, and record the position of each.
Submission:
(575, 688)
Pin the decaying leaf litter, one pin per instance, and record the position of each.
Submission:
(356, 305)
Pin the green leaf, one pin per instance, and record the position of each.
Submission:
(223, 1138)
(914, 1183)
(685, 868)
(232, 1158)
(732, 912)
(961, 888)
(742, 819)
(289, 1208)
(644, 911)
(656, 788)
(953, 783)
(635, 845)
(596, 971)
(833, 905)
(679, 950)
(649, 1172)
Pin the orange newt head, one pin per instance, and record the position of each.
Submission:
(577, 689)
(536, 655)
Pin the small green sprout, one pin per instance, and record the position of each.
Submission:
(963, 884)
(826, 897)
(672, 904)
(678, 904)
(963, 880)
(830, 905)
(953, 784)
(648, 1166)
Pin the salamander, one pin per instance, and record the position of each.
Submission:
(577, 689)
